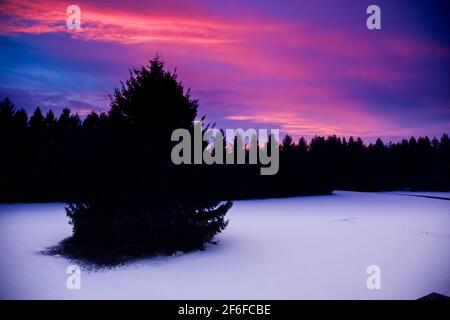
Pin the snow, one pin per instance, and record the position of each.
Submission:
(445, 195)
(294, 248)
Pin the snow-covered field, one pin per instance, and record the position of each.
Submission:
(296, 248)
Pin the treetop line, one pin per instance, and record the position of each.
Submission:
(214, 152)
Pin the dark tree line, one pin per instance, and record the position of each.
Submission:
(125, 195)
(349, 164)
(45, 157)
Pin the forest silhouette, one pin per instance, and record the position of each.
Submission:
(126, 197)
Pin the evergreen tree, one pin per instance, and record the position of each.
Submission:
(36, 122)
(50, 120)
(138, 202)
(7, 111)
(20, 120)
(92, 121)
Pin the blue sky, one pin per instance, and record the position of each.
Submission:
(305, 67)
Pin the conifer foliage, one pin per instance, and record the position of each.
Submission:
(137, 201)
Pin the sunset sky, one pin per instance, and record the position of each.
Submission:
(307, 67)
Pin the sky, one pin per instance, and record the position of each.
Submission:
(306, 67)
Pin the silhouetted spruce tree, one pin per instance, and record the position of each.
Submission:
(20, 120)
(50, 120)
(7, 111)
(137, 202)
(37, 123)
(92, 121)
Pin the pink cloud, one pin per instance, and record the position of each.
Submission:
(280, 72)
